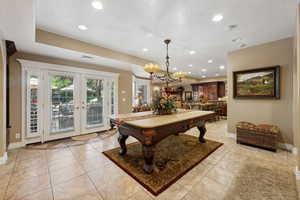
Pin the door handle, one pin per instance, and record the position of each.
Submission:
(83, 107)
(77, 107)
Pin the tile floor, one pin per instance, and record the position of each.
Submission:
(81, 172)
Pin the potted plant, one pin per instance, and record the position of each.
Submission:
(163, 104)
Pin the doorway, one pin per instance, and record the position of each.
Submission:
(63, 101)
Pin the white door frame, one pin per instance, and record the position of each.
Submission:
(105, 112)
(79, 72)
(47, 110)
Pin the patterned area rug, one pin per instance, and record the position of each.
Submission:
(174, 156)
(256, 180)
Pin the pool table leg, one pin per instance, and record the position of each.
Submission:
(202, 131)
(122, 141)
(148, 153)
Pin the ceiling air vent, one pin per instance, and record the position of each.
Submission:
(232, 27)
(86, 57)
(243, 45)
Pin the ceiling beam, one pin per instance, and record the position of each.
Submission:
(64, 42)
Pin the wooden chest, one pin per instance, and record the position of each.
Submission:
(256, 138)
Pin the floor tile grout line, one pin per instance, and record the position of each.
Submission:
(77, 160)
(15, 164)
(29, 194)
(49, 174)
(98, 191)
(87, 174)
(10, 177)
(68, 180)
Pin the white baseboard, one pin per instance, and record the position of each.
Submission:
(3, 159)
(16, 145)
(288, 147)
(231, 135)
(297, 173)
(295, 151)
(285, 146)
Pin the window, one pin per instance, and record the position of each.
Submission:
(94, 102)
(141, 93)
(33, 103)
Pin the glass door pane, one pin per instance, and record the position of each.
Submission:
(112, 96)
(61, 103)
(94, 102)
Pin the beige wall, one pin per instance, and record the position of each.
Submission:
(2, 98)
(296, 79)
(277, 112)
(125, 84)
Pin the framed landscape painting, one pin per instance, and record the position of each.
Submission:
(257, 83)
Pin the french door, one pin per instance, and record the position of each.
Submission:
(61, 104)
(94, 97)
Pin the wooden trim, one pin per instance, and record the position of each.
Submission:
(10, 50)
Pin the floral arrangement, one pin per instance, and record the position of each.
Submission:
(163, 103)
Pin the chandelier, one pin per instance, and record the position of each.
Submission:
(167, 77)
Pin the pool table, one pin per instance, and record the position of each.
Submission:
(150, 129)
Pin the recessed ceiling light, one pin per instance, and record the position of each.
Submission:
(190, 65)
(217, 18)
(145, 49)
(222, 67)
(149, 34)
(174, 68)
(210, 61)
(192, 52)
(82, 27)
(97, 5)
(203, 76)
(231, 27)
(203, 70)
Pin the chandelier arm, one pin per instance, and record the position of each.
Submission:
(166, 77)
